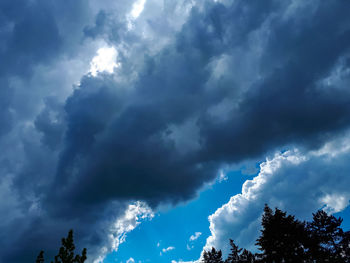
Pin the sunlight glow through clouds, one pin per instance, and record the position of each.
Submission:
(137, 8)
(104, 61)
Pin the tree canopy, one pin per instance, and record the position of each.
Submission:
(66, 252)
(284, 238)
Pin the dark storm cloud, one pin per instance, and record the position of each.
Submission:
(98, 28)
(241, 79)
(125, 152)
(32, 35)
(288, 104)
(28, 36)
(51, 123)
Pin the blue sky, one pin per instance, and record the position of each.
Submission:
(173, 227)
(118, 119)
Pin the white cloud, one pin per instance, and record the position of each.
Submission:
(137, 8)
(132, 217)
(299, 183)
(192, 238)
(180, 261)
(188, 247)
(222, 176)
(335, 202)
(104, 61)
(195, 236)
(164, 250)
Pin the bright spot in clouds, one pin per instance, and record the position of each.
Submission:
(104, 61)
(137, 8)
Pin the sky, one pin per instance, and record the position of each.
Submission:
(156, 129)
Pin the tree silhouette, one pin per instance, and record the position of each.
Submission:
(286, 239)
(40, 258)
(66, 252)
(327, 238)
(212, 256)
(234, 256)
(283, 238)
(344, 245)
(246, 257)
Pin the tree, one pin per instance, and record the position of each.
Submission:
(246, 257)
(345, 246)
(40, 258)
(233, 257)
(327, 238)
(212, 256)
(283, 238)
(66, 252)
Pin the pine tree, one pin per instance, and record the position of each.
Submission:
(40, 258)
(345, 246)
(212, 256)
(246, 257)
(66, 252)
(326, 237)
(233, 257)
(283, 238)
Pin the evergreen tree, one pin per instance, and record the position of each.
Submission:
(233, 257)
(246, 257)
(326, 238)
(40, 258)
(212, 256)
(345, 246)
(283, 238)
(66, 252)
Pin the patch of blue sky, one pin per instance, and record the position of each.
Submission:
(172, 227)
(345, 214)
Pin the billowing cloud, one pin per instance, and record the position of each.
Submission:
(300, 183)
(124, 224)
(198, 85)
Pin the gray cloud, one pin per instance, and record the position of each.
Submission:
(239, 79)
